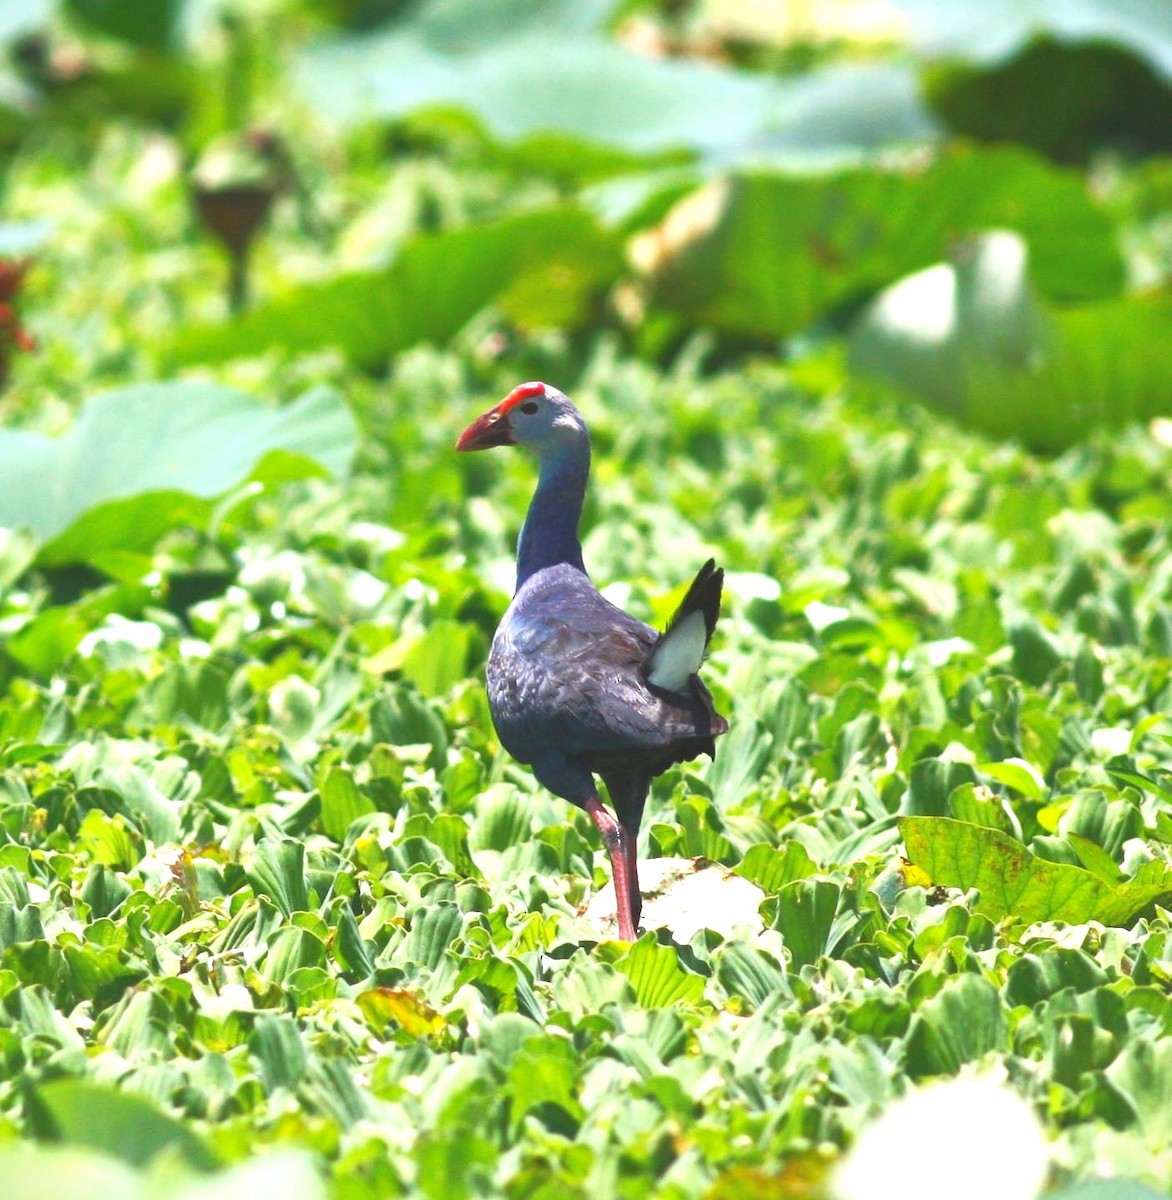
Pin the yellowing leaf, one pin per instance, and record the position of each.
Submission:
(1014, 882)
(407, 1009)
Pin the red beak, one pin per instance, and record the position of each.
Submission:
(492, 429)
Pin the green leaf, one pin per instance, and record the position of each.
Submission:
(142, 1025)
(1143, 782)
(401, 717)
(750, 974)
(976, 805)
(1143, 1075)
(971, 338)
(958, 1025)
(932, 781)
(342, 803)
(47, 640)
(657, 976)
(1095, 859)
(417, 64)
(438, 659)
(191, 691)
(806, 909)
(1014, 883)
(722, 258)
(428, 59)
(703, 831)
(740, 759)
(108, 841)
(1017, 774)
(454, 1164)
(1036, 977)
(280, 1053)
(542, 267)
(450, 833)
(99, 974)
(141, 798)
(433, 929)
(1066, 79)
(350, 946)
(544, 1070)
(20, 925)
(140, 460)
(503, 819)
(115, 1122)
(288, 956)
(1107, 823)
(276, 871)
(103, 891)
(771, 868)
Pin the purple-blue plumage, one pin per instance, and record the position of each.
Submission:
(576, 686)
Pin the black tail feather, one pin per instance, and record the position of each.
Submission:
(703, 595)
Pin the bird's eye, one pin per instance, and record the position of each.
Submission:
(529, 408)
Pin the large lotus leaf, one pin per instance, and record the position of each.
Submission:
(1065, 101)
(535, 69)
(1063, 76)
(936, 331)
(1109, 366)
(765, 254)
(1015, 883)
(540, 78)
(835, 116)
(141, 459)
(989, 31)
(972, 338)
(838, 113)
(542, 267)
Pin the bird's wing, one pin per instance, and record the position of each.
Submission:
(568, 666)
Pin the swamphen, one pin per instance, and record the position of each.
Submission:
(578, 688)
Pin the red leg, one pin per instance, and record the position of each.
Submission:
(621, 848)
(635, 896)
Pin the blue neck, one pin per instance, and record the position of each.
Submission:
(550, 533)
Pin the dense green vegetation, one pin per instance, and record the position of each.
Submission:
(276, 910)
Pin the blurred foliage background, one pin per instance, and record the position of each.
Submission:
(965, 201)
(870, 300)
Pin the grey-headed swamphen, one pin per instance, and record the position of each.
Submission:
(578, 688)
